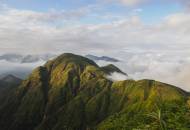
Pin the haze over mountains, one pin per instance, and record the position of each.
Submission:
(23, 64)
(45, 57)
(102, 58)
(137, 64)
(26, 58)
(7, 84)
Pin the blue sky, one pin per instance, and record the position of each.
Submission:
(45, 5)
(151, 12)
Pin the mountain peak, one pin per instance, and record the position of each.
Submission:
(67, 58)
(10, 78)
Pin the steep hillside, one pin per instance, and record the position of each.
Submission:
(72, 93)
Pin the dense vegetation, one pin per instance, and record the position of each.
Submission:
(72, 93)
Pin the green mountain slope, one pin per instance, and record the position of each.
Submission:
(72, 93)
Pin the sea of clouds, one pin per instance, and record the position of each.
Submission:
(159, 51)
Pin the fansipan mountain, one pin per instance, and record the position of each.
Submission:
(72, 92)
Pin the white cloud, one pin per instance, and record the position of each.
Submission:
(168, 67)
(128, 2)
(15, 16)
(20, 70)
(115, 76)
(160, 51)
(134, 3)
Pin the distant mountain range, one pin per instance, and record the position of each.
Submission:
(22, 74)
(18, 58)
(31, 58)
(72, 92)
(101, 58)
(10, 78)
(8, 83)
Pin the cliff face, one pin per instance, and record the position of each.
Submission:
(72, 92)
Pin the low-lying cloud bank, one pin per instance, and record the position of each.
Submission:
(115, 76)
(162, 66)
(159, 51)
(18, 69)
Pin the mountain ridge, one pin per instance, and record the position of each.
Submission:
(72, 92)
(102, 58)
(26, 58)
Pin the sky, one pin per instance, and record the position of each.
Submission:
(150, 37)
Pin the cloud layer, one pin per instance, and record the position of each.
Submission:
(117, 76)
(128, 2)
(160, 51)
(134, 3)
